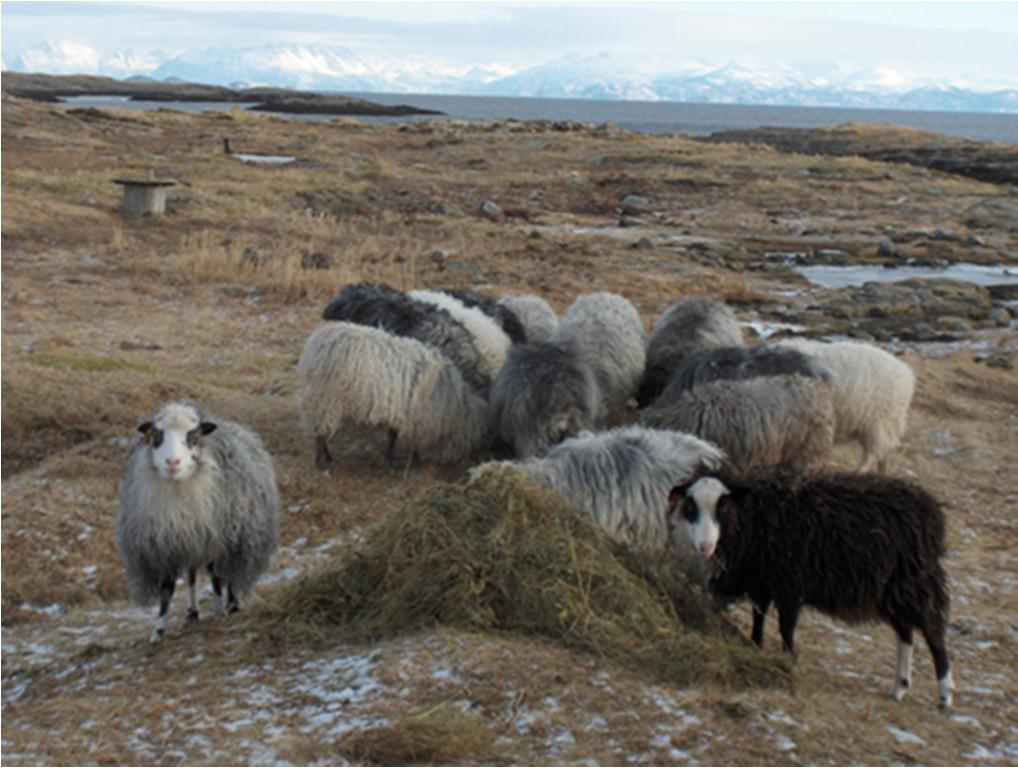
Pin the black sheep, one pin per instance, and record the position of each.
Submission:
(379, 306)
(857, 547)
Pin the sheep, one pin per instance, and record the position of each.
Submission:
(606, 332)
(491, 340)
(379, 306)
(536, 314)
(787, 420)
(857, 547)
(353, 374)
(542, 395)
(501, 314)
(737, 363)
(872, 394)
(688, 326)
(198, 492)
(620, 479)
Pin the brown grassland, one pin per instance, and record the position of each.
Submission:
(106, 318)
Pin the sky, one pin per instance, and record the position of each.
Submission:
(949, 39)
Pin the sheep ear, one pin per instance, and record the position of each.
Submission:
(207, 427)
(677, 494)
(146, 427)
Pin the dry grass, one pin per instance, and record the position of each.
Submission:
(499, 555)
(105, 318)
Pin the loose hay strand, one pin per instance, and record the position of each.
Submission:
(498, 554)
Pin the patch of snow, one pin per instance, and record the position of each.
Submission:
(905, 737)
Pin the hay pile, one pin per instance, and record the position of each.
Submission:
(500, 555)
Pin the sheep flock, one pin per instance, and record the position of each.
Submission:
(677, 443)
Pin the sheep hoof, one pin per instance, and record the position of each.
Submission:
(945, 702)
(899, 692)
(157, 635)
(192, 616)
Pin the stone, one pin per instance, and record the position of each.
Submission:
(974, 240)
(886, 248)
(491, 210)
(1002, 359)
(953, 324)
(995, 213)
(439, 256)
(316, 260)
(636, 204)
(643, 244)
(999, 317)
(835, 256)
(632, 221)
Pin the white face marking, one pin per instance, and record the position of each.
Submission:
(704, 530)
(172, 456)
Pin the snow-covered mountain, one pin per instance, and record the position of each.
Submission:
(600, 76)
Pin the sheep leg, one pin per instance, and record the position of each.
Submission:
(390, 449)
(217, 593)
(192, 596)
(945, 680)
(759, 614)
(232, 604)
(788, 617)
(903, 673)
(322, 456)
(166, 588)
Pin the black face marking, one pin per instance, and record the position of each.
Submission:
(690, 511)
(157, 437)
(192, 437)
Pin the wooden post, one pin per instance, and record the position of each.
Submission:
(143, 196)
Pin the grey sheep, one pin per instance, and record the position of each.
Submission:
(536, 314)
(199, 492)
(354, 375)
(621, 479)
(770, 420)
(688, 326)
(606, 332)
(542, 395)
(380, 306)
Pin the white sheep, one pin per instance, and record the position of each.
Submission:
(872, 393)
(198, 492)
(606, 332)
(492, 342)
(355, 375)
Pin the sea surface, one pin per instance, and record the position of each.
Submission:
(644, 116)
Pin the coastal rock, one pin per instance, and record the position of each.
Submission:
(995, 213)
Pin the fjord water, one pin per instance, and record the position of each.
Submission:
(645, 116)
(696, 119)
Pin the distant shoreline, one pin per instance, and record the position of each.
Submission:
(51, 88)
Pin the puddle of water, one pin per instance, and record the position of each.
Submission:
(266, 159)
(765, 330)
(844, 277)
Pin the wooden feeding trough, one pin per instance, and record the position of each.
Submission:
(143, 196)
